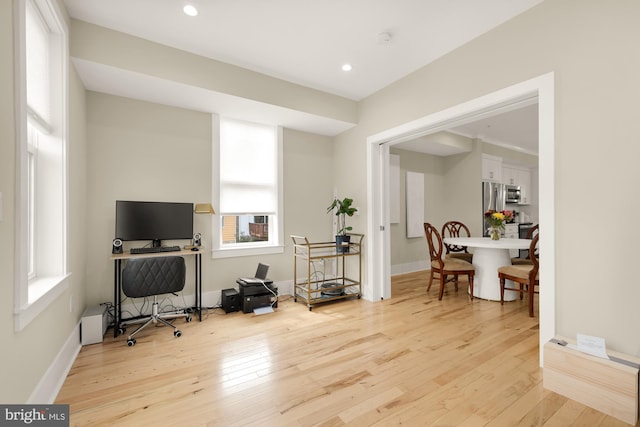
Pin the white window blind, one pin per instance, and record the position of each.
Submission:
(41, 43)
(248, 168)
(38, 66)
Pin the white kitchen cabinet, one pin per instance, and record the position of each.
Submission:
(520, 176)
(509, 175)
(524, 181)
(491, 168)
(511, 232)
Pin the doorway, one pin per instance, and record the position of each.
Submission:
(540, 88)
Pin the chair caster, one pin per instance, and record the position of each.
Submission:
(177, 333)
(131, 342)
(121, 331)
(188, 319)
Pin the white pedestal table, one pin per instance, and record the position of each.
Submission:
(488, 256)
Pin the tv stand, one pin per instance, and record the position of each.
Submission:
(156, 243)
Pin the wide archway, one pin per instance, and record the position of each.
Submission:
(540, 90)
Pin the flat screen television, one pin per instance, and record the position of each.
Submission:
(155, 221)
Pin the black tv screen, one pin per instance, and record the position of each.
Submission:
(155, 221)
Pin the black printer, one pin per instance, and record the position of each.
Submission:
(257, 291)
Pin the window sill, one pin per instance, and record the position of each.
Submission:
(238, 252)
(42, 292)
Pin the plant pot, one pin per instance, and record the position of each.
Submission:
(342, 243)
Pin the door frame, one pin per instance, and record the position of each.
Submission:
(378, 251)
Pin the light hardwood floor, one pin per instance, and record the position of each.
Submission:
(411, 360)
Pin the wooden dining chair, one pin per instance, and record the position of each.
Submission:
(447, 266)
(526, 276)
(526, 261)
(456, 229)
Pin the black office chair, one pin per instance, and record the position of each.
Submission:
(153, 276)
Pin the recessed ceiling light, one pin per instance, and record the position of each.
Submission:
(347, 67)
(190, 10)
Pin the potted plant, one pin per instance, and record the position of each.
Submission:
(342, 209)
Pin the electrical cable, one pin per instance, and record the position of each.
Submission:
(274, 302)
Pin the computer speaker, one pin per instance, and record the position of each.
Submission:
(117, 246)
(197, 239)
(230, 300)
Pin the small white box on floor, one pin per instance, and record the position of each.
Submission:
(94, 324)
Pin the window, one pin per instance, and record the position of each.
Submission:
(32, 155)
(247, 188)
(41, 210)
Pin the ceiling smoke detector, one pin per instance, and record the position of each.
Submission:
(384, 37)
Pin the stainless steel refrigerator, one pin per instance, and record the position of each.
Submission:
(493, 198)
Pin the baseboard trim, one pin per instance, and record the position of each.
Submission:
(51, 382)
(409, 267)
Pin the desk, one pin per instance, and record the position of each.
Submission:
(117, 279)
(488, 256)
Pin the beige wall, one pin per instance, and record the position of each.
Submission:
(10, 355)
(462, 190)
(139, 151)
(590, 45)
(144, 151)
(308, 189)
(452, 192)
(411, 252)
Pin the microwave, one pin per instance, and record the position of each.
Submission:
(512, 194)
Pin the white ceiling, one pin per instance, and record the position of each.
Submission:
(304, 42)
(516, 129)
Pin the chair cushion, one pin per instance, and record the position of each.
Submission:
(521, 261)
(454, 264)
(460, 255)
(519, 271)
